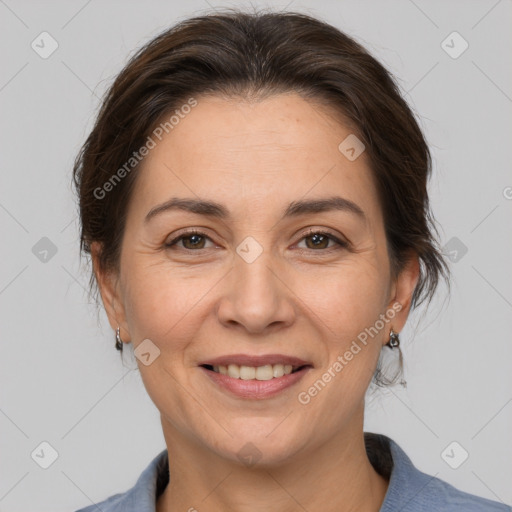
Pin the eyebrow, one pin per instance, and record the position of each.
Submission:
(294, 209)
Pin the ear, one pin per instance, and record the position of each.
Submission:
(402, 290)
(110, 294)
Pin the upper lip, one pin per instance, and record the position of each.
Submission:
(255, 361)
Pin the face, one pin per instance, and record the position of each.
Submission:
(267, 280)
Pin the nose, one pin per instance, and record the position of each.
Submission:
(256, 296)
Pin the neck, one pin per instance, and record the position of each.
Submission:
(335, 476)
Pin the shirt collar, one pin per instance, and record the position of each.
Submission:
(406, 482)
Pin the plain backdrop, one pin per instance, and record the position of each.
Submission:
(62, 381)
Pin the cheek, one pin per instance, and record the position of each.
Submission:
(352, 307)
(350, 298)
(349, 304)
(164, 305)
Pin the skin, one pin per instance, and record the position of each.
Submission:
(198, 303)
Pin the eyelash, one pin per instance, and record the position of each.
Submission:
(342, 244)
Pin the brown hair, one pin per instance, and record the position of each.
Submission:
(253, 55)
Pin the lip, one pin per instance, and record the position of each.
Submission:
(255, 389)
(255, 361)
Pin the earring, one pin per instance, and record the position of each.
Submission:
(394, 340)
(119, 341)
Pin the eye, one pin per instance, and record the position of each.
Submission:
(320, 240)
(192, 240)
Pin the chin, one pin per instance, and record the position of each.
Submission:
(258, 443)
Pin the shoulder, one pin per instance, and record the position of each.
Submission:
(113, 504)
(142, 496)
(447, 498)
(411, 490)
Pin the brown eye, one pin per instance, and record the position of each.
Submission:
(316, 240)
(194, 241)
(191, 240)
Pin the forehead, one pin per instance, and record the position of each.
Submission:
(254, 155)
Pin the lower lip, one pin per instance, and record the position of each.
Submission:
(256, 389)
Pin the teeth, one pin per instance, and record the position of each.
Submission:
(267, 372)
(278, 370)
(264, 372)
(247, 372)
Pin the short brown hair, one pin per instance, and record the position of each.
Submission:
(235, 53)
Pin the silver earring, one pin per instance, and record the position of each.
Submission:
(394, 340)
(119, 341)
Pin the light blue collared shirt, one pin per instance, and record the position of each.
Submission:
(409, 490)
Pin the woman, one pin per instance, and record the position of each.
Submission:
(253, 197)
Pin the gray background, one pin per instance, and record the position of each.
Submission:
(63, 382)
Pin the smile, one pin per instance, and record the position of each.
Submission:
(255, 377)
